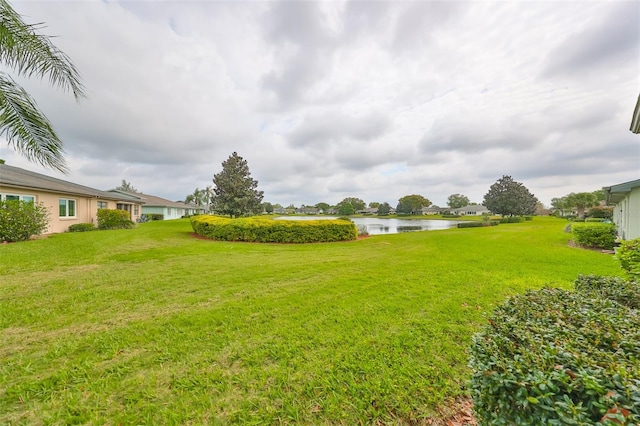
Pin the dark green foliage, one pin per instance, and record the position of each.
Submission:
(412, 204)
(21, 220)
(557, 357)
(625, 292)
(81, 227)
(384, 209)
(403, 208)
(528, 218)
(355, 202)
(264, 230)
(478, 224)
(594, 235)
(628, 254)
(346, 209)
(450, 216)
(511, 219)
(155, 216)
(510, 198)
(604, 212)
(114, 219)
(235, 193)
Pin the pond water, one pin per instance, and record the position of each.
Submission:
(379, 226)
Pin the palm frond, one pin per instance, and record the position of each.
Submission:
(26, 128)
(31, 54)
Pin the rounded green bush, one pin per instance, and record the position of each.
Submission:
(594, 235)
(557, 357)
(81, 227)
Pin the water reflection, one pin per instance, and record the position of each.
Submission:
(378, 226)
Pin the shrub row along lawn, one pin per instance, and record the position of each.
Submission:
(154, 326)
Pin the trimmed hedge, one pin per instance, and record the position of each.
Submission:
(114, 219)
(595, 235)
(450, 216)
(81, 227)
(265, 230)
(557, 357)
(478, 224)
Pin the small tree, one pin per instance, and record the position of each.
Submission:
(384, 209)
(21, 220)
(346, 209)
(268, 207)
(510, 198)
(323, 206)
(581, 201)
(356, 203)
(412, 204)
(234, 191)
(403, 208)
(455, 201)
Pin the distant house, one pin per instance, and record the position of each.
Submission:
(472, 210)
(626, 213)
(434, 210)
(68, 203)
(368, 210)
(167, 208)
(307, 210)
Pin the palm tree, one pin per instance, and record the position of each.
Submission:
(29, 54)
(582, 201)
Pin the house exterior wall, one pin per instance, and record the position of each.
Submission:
(85, 209)
(168, 212)
(626, 215)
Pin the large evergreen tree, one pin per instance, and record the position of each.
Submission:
(126, 187)
(235, 192)
(510, 198)
(29, 54)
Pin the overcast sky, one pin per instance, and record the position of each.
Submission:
(327, 100)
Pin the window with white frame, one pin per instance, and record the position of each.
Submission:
(67, 207)
(136, 209)
(21, 197)
(102, 205)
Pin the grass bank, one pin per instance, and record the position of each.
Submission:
(153, 326)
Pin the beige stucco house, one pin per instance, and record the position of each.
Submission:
(68, 203)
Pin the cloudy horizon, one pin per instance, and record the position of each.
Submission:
(334, 99)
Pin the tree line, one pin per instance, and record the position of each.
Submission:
(234, 192)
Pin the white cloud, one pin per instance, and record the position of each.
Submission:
(333, 99)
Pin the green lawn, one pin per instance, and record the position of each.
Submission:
(153, 326)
